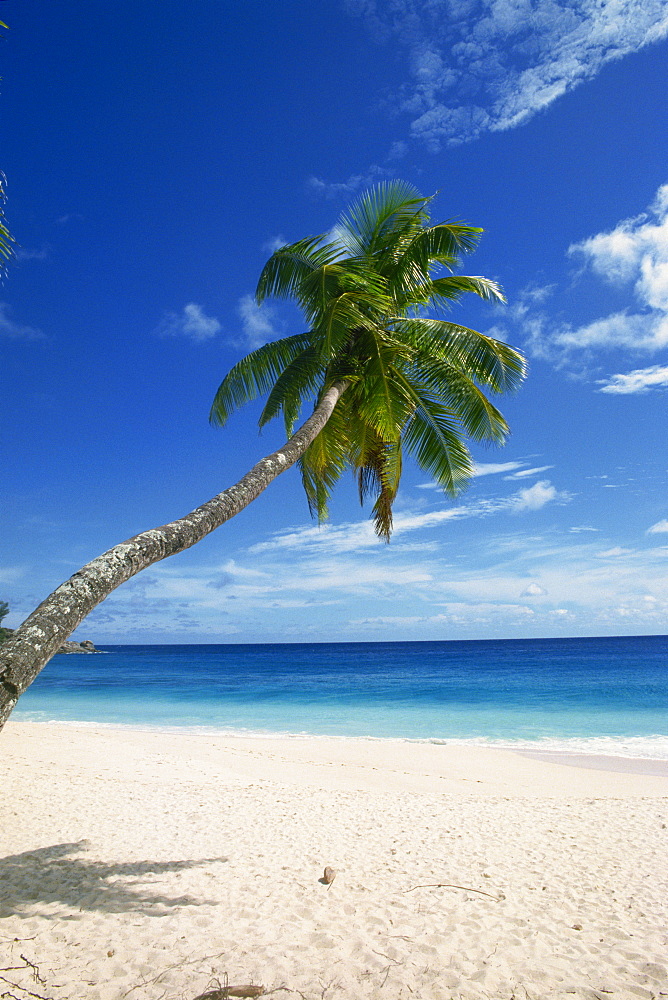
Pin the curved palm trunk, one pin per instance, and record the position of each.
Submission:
(42, 633)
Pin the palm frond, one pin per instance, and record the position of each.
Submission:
(433, 436)
(357, 287)
(491, 362)
(255, 375)
(324, 462)
(380, 397)
(299, 378)
(446, 241)
(481, 420)
(453, 286)
(344, 315)
(386, 208)
(290, 265)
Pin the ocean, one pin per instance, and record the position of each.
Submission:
(587, 695)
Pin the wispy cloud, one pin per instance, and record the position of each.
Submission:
(659, 528)
(16, 331)
(360, 535)
(639, 380)
(453, 613)
(192, 323)
(481, 469)
(514, 581)
(22, 254)
(353, 184)
(489, 65)
(494, 468)
(259, 323)
(274, 243)
(525, 473)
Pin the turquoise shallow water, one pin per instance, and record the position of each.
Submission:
(598, 695)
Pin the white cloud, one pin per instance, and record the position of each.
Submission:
(358, 535)
(479, 583)
(640, 380)
(525, 473)
(481, 469)
(659, 528)
(633, 331)
(536, 496)
(191, 322)
(635, 250)
(491, 65)
(16, 331)
(633, 256)
(455, 613)
(634, 253)
(533, 590)
(492, 468)
(338, 538)
(258, 322)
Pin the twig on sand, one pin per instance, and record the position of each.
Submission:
(248, 990)
(226, 991)
(176, 965)
(448, 885)
(17, 986)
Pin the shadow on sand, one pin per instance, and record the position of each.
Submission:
(52, 875)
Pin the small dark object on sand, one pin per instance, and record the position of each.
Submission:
(232, 991)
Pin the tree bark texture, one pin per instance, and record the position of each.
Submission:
(40, 636)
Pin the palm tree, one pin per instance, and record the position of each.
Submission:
(383, 376)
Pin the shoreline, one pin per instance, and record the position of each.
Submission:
(579, 754)
(333, 761)
(156, 864)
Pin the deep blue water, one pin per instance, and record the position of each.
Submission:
(606, 695)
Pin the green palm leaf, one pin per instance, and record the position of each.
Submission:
(434, 438)
(324, 462)
(377, 216)
(492, 362)
(255, 375)
(412, 381)
(297, 379)
(454, 286)
(287, 268)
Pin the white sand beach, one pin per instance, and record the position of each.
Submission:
(156, 865)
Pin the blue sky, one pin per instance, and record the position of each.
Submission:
(156, 153)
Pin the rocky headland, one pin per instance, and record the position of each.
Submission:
(70, 646)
